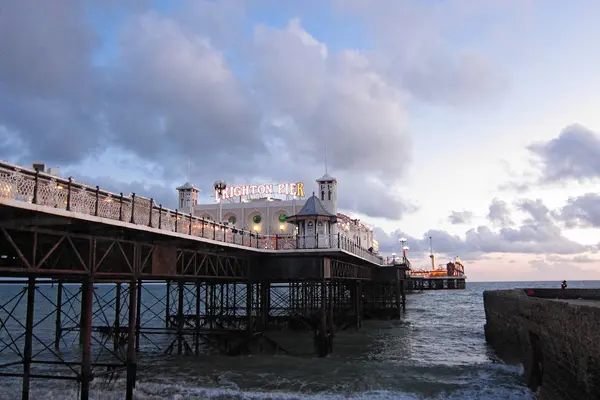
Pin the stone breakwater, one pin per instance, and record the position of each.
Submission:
(554, 335)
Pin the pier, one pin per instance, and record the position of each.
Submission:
(114, 276)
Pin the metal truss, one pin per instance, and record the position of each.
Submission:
(79, 349)
(44, 252)
(107, 297)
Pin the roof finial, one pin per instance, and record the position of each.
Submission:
(313, 192)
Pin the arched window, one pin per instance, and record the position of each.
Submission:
(322, 195)
(329, 194)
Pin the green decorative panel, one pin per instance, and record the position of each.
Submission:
(256, 219)
(232, 220)
(282, 217)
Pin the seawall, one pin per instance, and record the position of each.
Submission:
(557, 340)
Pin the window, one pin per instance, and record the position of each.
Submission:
(321, 228)
(329, 194)
(322, 195)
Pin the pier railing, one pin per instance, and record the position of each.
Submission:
(40, 188)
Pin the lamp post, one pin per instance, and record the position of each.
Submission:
(404, 247)
(220, 186)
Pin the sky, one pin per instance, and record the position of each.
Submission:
(473, 122)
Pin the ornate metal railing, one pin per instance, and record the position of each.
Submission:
(47, 190)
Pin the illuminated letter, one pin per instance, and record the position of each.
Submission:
(253, 189)
(269, 188)
(281, 188)
(237, 191)
(261, 189)
(245, 190)
(300, 189)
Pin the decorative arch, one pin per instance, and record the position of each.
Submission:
(255, 219)
(279, 217)
(231, 218)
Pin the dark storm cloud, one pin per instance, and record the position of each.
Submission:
(460, 217)
(161, 194)
(47, 83)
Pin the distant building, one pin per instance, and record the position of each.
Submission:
(281, 209)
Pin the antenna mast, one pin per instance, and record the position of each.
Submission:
(431, 254)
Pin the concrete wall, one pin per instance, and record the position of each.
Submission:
(558, 342)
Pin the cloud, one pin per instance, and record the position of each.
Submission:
(409, 40)
(581, 259)
(580, 212)
(243, 104)
(47, 84)
(161, 194)
(498, 213)
(460, 217)
(538, 234)
(573, 155)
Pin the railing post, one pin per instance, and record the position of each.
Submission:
(176, 219)
(69, 183)
(132, 208)
(339, 244)
(276, 241)
(203, 227)
(214, 231)
(121, 206)
(190, 227)
(150, 212)
(97, 200)
(35, 187)
(160, 216)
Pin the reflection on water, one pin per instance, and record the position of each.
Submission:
(437, 351)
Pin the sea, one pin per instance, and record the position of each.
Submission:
(436, 351)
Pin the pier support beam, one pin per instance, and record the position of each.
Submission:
(87, 293)
(58, 320)
(28, 349)
(132, 341)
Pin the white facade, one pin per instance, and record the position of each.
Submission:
(266, 215)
